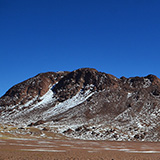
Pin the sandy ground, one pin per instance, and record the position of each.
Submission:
(44, 149)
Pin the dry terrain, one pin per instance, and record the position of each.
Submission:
(68, 149)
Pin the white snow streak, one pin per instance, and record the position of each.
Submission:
(66, 105)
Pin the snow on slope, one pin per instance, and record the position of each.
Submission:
(41, 110)
(45, 99)
(19, 112)
(66, 105)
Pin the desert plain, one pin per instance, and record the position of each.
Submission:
(70, 149)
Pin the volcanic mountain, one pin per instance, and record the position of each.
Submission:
(86, 104)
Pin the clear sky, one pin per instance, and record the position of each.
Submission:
(120, 37)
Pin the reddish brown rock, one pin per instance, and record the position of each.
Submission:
(29, 89)
(129, 105)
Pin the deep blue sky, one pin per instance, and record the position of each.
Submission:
(120, 37)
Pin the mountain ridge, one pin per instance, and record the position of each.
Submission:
(86, 104)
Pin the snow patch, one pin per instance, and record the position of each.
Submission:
(129, 95)
(66, 105)
(45, 99)
(143, 151)
(43, 150)
(147, 83)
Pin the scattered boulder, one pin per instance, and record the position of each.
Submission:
(45, 129)
(68, 131)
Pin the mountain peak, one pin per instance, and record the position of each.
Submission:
(30, 88)
(82, 79)
(111, 108)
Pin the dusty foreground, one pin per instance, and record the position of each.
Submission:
(44, 149)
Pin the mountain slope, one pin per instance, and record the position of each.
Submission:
(86, 104)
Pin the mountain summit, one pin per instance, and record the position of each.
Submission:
(86, 104)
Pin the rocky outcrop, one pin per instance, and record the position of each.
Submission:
(83, 79)
(31, 88)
